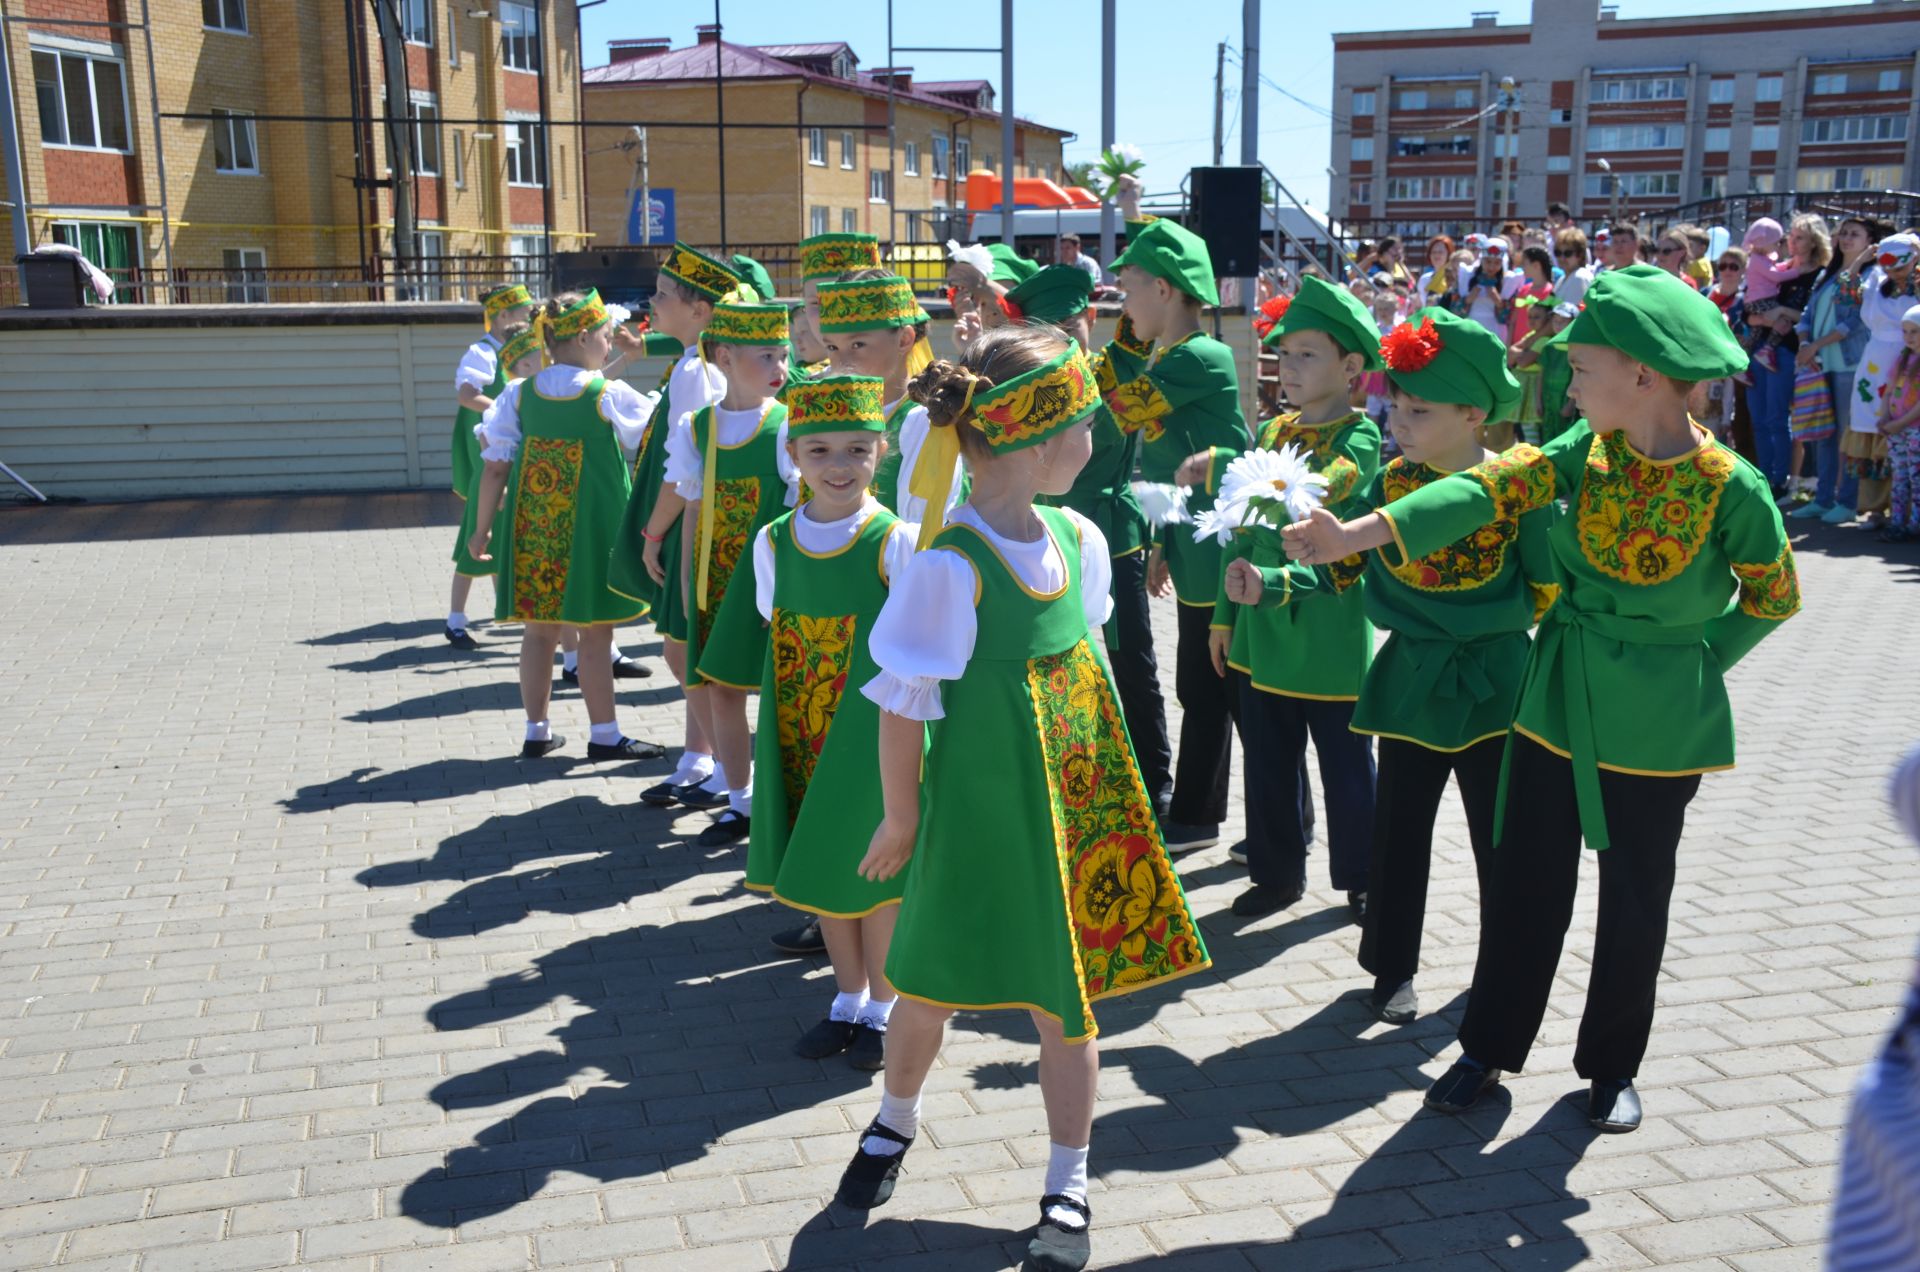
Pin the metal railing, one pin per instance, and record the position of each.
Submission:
(446, 278)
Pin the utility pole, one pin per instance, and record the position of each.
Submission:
(1250, 82)
(1510, 106)
(1006, 122)
(1219, 100)
(16, 178)
(720, 121)
(1106, 124)
(400, 157)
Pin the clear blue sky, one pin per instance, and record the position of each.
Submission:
(1166, 55)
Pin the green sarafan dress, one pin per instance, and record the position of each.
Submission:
(626, 569)
(817, 797)
(1669, 572)
(888, 480)
(1319, 647)
(1038, 878)
(564, 499)
(748, 493)
(467, 467)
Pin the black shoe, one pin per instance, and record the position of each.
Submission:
(625, 749)
(571, 679)
(699, 795)
(868, 1050)
(1613, 1106)
(1393, 1004)
(1056, 1248)
(630, 669)
(532, 750)
(729, 828)
(1181, 838)
(805, 939)
(1261, 899)
(828, 1038)
(1357, 902)
(1455, 1090)
(661, 795)
(458, 638)
(868, 1179)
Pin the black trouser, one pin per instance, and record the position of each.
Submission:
(1534, 875)
(1206, 725)
(1136, 675)
(1273, 733)
(1407, 797)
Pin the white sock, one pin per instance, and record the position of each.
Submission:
(740, 800)
(570, 659)
(617, 655)
(606, 734)
(874, 1013)
(714, 783)
(1066, 1177)
(694, 766)
(847, 1007)
(539, 731)
(456, 620)
(897, 1113)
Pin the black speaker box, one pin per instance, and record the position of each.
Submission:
(1226, 213)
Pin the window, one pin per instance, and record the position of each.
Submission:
(849, 221)
(519, 36)
(1661, 88)
(877, 185)
(1636, 136)
(939, 156)
(816, 221)
(1762, 183)
(1894, 81)
(1446, 144)
(1411, 99)
(1824, 85)
(1847, 128)
(83, 100)
(1559, 163)
(1363, 149)
(426, 133)
(430, 262)
(530, 251)
(1879, 177)
(224, 15)
(817, 147)
(1720, 91)
(109, 247)
(416, 21)
(1360, 193)
(233, 142)
(912, 159)
(1463, 99)
(1425, 189)
(842, 66)
(1766, 137)
(1033, 170)
(1714, 186)
(1719, 139)
(526, 153)
(846, 149)
(1363, 101)
(459, 159)
(1563, 115)
(453, 40)
(963, 156)
(1766, 88)
(1501, 147)
(246, 275)
(1633, 185)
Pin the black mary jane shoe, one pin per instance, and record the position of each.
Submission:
(630, 669)
(459, 639)
(625, 749)
(1394, 1004)
(661, 795)
(533, 750)
(805, 939)
(700, 795)
(729, 828)
(1456, 1090)
(1055, 1247)
(868, 1180)
(868, 1050)
(1613, 1106)
(828, 1038)
(570, 679)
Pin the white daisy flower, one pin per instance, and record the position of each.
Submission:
(1130, 152)
(1218, 523)
(1164, 505)
(1275, 482)
(619, 314)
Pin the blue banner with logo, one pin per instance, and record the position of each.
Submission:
(659, 226)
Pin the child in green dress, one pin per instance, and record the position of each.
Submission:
(1035, 873)
(1671, 563)
(481, 377)
(821, 574)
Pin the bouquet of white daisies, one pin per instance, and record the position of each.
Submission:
(1164, 505)
(1262, 488)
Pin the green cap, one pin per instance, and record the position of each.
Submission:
(1320, 306)
(1653, 317)
(754, 275)
(1438, 355)
(1054, 294)
(1009, 266)
(1174, 253)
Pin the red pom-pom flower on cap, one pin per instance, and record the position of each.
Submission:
(1410, 348)
(1011, 310)
(1272, 310)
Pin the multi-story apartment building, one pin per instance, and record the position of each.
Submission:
(237, 143)
(1632, 114)
(823, 164)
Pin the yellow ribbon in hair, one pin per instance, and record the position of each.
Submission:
(919, 358)
(706, 504)
(932, 476)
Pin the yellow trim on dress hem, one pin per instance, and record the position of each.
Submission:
(726, 684)
(1621, 768)
(815, 910)
(1444, 750)
(630, 596)
(604, 622)
(1289, 693)
(1193, 604)
(488, 574)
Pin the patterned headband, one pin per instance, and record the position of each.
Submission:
(583, 315)
(739, 323)
(868, 304)
(830, 255)
(1033, 407)
(504, 299)
(532, 340)
(700, 272)
(835, 404)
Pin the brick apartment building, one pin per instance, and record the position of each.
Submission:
(824, 167)
(254, 198)
(1681, 109)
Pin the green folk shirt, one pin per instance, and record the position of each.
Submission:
(1182, 400)
(1456, 620)
(1314, 642)
(1669, 572)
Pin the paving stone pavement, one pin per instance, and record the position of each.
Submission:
(301, 967)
